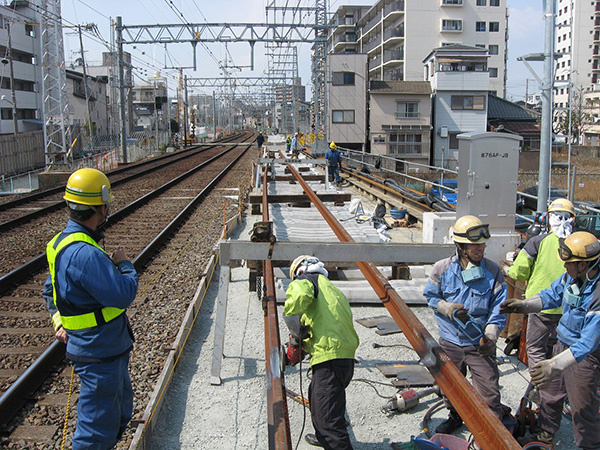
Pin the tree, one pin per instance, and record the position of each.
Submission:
(579, 116)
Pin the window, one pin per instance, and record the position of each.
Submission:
(493, 49)
(343, 78)
(494, 27)
(494, 2)
(405, 143)
(453, 140)
(342, 116)
(493, 72)
(451, 25)
(6, 114)
(29, 30)
(407, 110)
(481, 2)
(476, 102)
(480, 45)
(452, 2)
(479, 26)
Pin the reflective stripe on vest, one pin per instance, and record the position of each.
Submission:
(80, 321)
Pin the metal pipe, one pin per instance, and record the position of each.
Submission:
(277, 411)
(488, 430)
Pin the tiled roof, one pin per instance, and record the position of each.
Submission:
(400, 87)
(501, 109)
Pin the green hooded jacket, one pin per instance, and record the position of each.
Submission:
(332, 334)
(538, 264)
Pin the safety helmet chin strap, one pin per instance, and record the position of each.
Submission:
(461, 252)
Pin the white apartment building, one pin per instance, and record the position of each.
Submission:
(578, 44)
(398, 34)
(460, 83)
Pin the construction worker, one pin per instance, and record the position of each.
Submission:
(576, 360)
(260, 140)
(87, 292)
(314, 302)
(466, 291)
(288, 143)
(334, 160)
(537, 264)
(294, 144)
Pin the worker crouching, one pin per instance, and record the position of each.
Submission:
(87, 293)
(466, 291)
(331, 343)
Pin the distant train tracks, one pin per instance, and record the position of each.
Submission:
(171, 229)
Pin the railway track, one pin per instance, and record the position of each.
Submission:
(35, 228)
(191, 211)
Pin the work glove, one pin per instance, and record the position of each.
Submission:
(514, 305)
(447, 309)
(544, 371)
(505, 269)
(487, 342)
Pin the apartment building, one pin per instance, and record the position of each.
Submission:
(88, 102)
(397, 35)
(460, 83)
(150, 104)
(24, 54)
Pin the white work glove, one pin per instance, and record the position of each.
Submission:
(447, 308)
(514, 305)
(487, 342)
(505, 269)
(544, 371)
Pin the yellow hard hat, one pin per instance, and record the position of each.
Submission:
(562, 204)
(332, 146)
(88, 187)
(579, 246)
(470, 230)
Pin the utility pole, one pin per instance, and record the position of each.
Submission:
(85, 90)
(185, 111)
(119, 28)
(214, 117)
(12, 83)
(546, 131)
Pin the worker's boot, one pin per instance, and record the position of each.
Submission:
(450, 424)
(545, 437)
(312, 440)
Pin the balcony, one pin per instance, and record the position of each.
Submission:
(374, 63)
(396, 7)
(371, 23)
(395, 32)
(396, 54)
(371, 45)
(79, 91)
(393, 75)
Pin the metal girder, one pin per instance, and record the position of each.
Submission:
(238, 81)
(218, 32)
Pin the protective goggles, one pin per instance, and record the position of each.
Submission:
(475, 233)
(564, 252)
(564, 215)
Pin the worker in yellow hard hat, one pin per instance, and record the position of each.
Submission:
(87, 293)
(465, 291)
(576, 356)
(334, 160)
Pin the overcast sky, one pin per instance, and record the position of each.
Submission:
(526, 31)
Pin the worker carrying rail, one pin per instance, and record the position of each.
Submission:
(466, 291)
(314, 302)
(537, 264)
(87, 293)
(576, 360)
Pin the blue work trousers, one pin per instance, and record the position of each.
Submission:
(105, 403)
(335, 171)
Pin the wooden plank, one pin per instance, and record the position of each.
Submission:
(300, 198)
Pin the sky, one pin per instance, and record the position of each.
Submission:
(526, 32)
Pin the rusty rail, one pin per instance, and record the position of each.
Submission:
(277, 411)
(488, 430)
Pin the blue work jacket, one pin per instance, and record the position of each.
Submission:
(481, 297)
(333, 157)
(579, 327)
(87, 280)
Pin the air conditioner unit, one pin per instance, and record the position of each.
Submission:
(444, 132)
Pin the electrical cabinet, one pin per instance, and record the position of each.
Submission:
(488, 168)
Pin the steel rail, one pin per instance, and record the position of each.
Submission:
(60, 204)
(24, 387)
(277, 410)
(488, 430)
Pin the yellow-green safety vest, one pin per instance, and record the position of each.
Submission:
(80, 321)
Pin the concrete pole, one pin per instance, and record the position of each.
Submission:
(546, 131)
(122, 88)
(12, 84)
